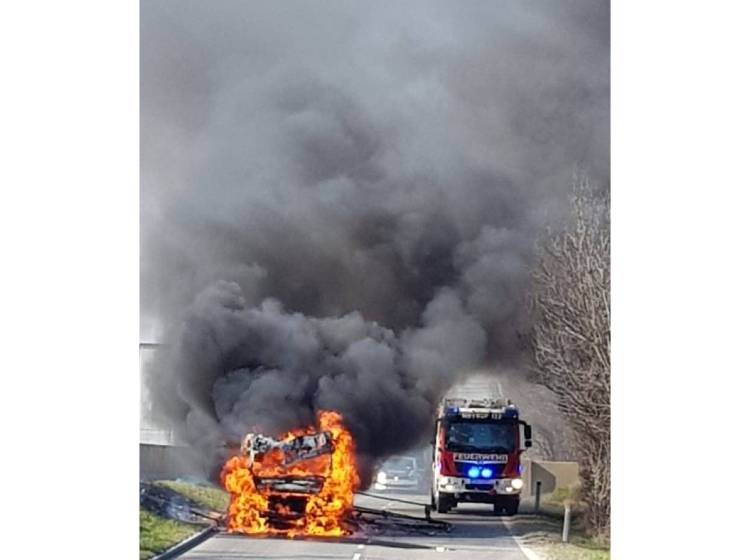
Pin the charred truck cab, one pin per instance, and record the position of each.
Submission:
(478, 445)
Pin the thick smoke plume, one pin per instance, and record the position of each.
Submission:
(339, 201)
(243, 368)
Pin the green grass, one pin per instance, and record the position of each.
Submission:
(574, 550)
(209, 497)
(560, 496)
(159, 534)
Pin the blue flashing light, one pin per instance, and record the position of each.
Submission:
(510, 412)
(486, 473)
(473, 472)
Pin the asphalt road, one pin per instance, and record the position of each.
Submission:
(476, 534)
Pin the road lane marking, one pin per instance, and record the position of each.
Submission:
(530, 554)
(356, 556)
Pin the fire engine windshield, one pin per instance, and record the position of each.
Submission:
(489, 437)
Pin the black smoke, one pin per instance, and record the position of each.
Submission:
(339, 201)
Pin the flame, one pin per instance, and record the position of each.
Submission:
(251, 508)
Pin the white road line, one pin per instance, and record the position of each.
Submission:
(356, 556)
(475, 547)
(530, 554)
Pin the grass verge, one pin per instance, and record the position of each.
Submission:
(158, 534)
(576, 549)
(209, 497)
(543, 533)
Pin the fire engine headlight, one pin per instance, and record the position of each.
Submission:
(516, 483)
(382, 478)
(446, 484)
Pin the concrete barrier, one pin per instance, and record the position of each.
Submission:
(552, 475)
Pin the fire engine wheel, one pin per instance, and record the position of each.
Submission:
(507, 505)
(444, 503)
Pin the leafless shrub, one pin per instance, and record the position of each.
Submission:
(571, 339)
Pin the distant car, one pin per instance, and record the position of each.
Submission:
(398, 472)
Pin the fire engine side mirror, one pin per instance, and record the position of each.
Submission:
(527, 435)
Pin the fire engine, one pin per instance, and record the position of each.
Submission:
(479, 439)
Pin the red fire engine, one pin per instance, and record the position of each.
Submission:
(478, 445)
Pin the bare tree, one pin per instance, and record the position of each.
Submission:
(553, 437)
(571, 339)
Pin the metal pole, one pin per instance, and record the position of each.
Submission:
(538, 496)
(566, 523)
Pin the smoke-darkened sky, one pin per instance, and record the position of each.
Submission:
(379, 170)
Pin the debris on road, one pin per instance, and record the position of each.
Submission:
(381, 522)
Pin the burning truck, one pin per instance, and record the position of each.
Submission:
(301, 484)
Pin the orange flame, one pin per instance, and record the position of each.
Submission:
(250, 507)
